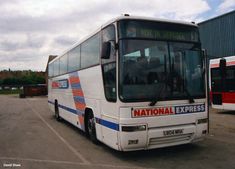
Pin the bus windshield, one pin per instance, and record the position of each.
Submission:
(160, 69)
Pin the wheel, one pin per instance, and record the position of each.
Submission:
(57, 115)
(91, 128)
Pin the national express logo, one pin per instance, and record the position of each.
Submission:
(60, 84)
(163, 111)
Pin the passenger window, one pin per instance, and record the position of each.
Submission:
(56, 67)
(229, 80)
(74, 59)
(90, 51)
(64, 64)
(50, 70)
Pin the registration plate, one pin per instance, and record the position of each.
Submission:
(173, 132)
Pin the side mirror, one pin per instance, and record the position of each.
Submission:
(204, 53)
(105, 50)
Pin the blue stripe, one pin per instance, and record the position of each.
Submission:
(108, 124)
(79, 112)
(68, 109)
(75, 85)
(79, 99)
(102, 122)
(64, 107)
(50, 102)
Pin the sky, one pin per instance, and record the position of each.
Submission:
(31, 30)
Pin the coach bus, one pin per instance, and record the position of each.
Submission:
(222, 82)
(135, 83)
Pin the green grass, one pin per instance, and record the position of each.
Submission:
(18, 91)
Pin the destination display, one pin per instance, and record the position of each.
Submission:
(171, 110)
(158, 30)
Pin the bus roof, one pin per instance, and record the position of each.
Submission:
(124, 17)
(215, 62)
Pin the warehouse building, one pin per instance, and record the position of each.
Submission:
(218, 35)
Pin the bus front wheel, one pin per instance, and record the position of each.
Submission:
(91, 128)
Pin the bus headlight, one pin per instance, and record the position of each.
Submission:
(204, 120)
(134, 128)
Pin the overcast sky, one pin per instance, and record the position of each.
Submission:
(31, 30)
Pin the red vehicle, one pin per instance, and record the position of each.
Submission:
(222, 83)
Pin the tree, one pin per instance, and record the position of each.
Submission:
(23, 78)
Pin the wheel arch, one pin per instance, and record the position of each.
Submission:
(87, 111)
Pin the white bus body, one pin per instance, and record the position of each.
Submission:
(222, 85)
(130, 111)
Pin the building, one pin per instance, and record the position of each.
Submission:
(218, 35)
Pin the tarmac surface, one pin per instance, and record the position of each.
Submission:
(31, 138)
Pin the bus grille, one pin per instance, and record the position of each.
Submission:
(217, 99)
(170, 139)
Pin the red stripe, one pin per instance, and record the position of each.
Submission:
(80, 106)
(74, 80)
(77, 92)
(230, 63)
(210, 95)
(81, 119)
(214, 65)
(227, 97)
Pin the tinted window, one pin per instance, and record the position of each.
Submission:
(90, 51)
(143, 70)
(108, 34)
(186, 66)
(56, 67)
(50, 70)
(63, 64)
(158, 30)
(230, 78)
(74, 59)
(157, 70)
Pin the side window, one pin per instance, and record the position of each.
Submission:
(63, 64)
(109, 65)
(56, 67)
(90, 51)
(230, 76)
(50, 70)
(74, 59)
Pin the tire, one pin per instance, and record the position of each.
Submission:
(57, 114)
(91, 130)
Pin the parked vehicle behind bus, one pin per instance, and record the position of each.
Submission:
(136, 83)
(222, 83)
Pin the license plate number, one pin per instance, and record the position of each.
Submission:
(173, 132)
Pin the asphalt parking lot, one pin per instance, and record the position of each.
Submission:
(31, 138)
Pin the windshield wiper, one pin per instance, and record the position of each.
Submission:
(190, 97)
(162, 89)
(155, 100)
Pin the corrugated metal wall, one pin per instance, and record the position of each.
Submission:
(218, 35)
